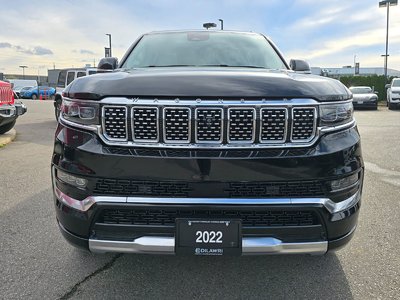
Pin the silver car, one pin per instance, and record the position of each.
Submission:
(364, 97)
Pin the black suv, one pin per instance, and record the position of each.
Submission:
(207, 143)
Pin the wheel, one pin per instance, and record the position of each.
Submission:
(52, 97)
(390, 106)
(34, 97)
(7, 127)
(57, 109)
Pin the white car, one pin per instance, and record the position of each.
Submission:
(364, 97)
(393, 94)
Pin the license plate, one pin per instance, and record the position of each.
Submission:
(208, 237)
(360, 102)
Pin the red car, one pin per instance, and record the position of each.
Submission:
(9, 109)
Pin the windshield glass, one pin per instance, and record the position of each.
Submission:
(396, 83)
(361, 90)
(222, 49)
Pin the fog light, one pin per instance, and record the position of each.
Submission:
(340, 184)
(71, 179)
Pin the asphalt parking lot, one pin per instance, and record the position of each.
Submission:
(37, 263)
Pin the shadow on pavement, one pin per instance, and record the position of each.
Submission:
(272, 277)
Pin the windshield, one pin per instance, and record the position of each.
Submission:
(396, 83)
(203, 49)
(361, 90)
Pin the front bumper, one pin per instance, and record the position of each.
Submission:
(365, 104)
(123, 181)
(8, 113)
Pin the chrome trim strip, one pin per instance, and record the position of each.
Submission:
(269, 245)
(166, 245)
(86, 204)
(224, 102)
(104, 125)
(281, 141)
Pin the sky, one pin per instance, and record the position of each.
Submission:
(71, 33)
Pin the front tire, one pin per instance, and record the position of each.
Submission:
(7, 127)
(34, 97)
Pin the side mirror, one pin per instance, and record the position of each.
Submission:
(376, 92)
(108, 64)
(387, 86)
(299, 65)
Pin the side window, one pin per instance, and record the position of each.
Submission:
(80, 74)
(92, 72)
(70, 77)
(61, 78)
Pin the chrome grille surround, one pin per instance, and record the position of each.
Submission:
(145, 125)
(269, 131)
(116, 127)
(302, 119)
(241, 125)
(208, 134)
(176, 124)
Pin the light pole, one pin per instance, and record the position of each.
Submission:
(387, 4)
(222, 23)
(109, 42)
(23, 70)
(355, 56)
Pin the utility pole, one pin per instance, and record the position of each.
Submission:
(387, 4)
(23, 70)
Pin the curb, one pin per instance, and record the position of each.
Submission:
(7, 137)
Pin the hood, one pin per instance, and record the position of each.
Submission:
(395, 89)
(207, 83)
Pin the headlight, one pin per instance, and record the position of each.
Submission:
(336, 114)
(81, 112)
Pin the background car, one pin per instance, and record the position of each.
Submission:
(46, 92)
(18, 84)
(364, 97)
(393, 94)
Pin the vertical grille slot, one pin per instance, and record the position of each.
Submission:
(145, 124)
(273, 125)
(115, 123)
(304, 123)
(209, 125)
(241, 126)
(176, 125)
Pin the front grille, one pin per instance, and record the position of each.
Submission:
(200, 126)
(303, 124)
(241, 124)
(209, 124)
(115, 122)
(177, 125)
(145, 124)
(249, 218)
(273, 124)
(181, 189)
(275, 189)
(128, 187)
